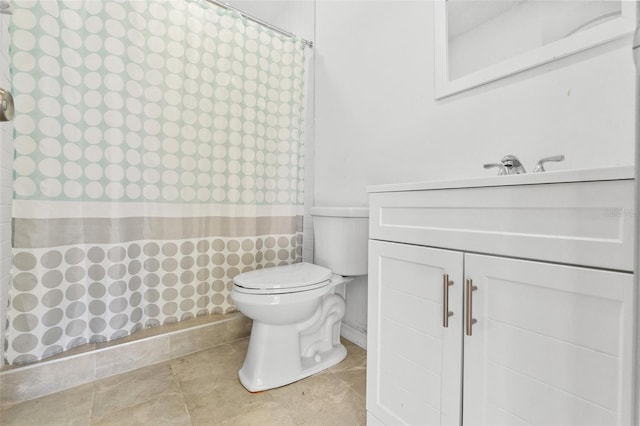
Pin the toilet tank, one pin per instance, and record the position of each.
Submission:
(340, 239)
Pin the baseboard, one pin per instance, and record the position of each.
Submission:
(354, 335)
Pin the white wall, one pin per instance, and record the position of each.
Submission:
(376, 120)
(6, 163)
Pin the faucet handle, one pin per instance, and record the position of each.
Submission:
(500, 166)
(540, 167)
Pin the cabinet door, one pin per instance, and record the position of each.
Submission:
(414, 362)
(552, 345)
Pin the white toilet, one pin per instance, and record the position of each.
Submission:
(295, 309)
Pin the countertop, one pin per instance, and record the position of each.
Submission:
(563, 176)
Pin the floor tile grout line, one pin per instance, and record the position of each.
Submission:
(353, 390)
(146, 401)
(179, 383)
(347, 384)
(93, 398)
(131, 407)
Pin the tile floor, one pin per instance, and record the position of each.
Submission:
(203, 389)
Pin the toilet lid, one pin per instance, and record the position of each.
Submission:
(285, 279)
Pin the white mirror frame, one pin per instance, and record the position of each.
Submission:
(575, 43)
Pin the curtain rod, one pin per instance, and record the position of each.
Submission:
(259, 21)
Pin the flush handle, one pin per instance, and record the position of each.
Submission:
(469, 289)
(446, 313)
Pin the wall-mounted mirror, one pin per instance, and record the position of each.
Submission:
(477, 42)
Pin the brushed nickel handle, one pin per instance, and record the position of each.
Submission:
(469, 289)
(500, 166)
(446, 313)
(540, 167)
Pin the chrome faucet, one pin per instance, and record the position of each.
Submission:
(509, 165)
(512, 165)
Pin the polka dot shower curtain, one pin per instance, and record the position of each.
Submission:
(158, 153)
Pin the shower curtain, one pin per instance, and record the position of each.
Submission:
(158, 154)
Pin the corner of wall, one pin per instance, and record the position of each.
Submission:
(309, 162)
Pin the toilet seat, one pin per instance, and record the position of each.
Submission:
(283, 279)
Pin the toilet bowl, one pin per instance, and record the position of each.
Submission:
(295, 309)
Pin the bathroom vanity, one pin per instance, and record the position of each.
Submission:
(502, 300)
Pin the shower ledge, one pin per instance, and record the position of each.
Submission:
(139, 350)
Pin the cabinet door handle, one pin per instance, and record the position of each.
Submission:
(446, 313)
(469, 289)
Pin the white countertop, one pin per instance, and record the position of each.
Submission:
(564, 176)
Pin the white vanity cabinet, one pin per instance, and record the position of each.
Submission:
(552, 344)
(535, 337)
(414, 361)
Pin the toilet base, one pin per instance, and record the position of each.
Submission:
(309, 366)
(281, 352)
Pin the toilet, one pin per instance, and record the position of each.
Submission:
(296, 309)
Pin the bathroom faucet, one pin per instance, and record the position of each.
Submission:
(509, 165)
(512, 165)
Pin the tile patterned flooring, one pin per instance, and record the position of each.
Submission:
(203, 389)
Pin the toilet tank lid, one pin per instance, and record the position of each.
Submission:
(340, 211)
(284, 277)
